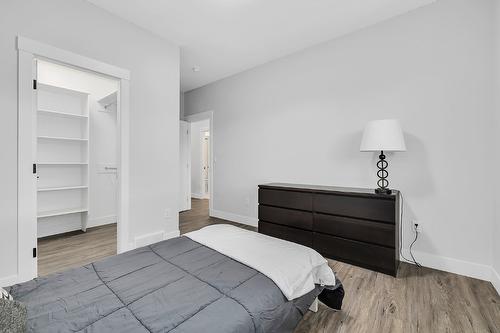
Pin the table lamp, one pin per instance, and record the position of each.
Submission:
(383, 136)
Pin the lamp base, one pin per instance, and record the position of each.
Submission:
(382, 174)
(383, 191)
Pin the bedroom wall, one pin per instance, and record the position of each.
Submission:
(77, 26)
(300, 119)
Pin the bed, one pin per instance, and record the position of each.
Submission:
(177, 285)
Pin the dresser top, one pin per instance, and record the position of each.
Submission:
(323, 188)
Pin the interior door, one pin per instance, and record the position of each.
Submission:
(185, 166)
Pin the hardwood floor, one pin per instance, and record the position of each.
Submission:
(75, 249)
(419, 300)
(197, 218)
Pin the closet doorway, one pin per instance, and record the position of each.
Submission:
(73, 159)
(76, 131)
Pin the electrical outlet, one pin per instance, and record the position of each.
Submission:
(167, 213)
(417, 226)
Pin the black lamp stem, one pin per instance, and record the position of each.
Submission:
(382, 174)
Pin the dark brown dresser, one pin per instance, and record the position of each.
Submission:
(351, 225)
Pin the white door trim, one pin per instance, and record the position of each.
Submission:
(210, 116)
(28, 50)
(70, 58)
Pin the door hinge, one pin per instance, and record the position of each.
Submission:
(34, 168)
(34, 84)
(34, 252)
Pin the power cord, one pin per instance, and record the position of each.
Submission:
(413, 260)
(411, 253)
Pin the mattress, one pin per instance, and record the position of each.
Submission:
(177, 285)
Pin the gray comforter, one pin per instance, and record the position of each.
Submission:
(176, 285)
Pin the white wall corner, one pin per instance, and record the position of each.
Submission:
(495, 279)
(452, 265)
(251, 221)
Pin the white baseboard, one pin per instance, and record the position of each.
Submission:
(495, 279)
(452, 265)
(103, 220)
(154, 237)
(172, 234)
(8, 280)
(147, 239)
(252, 221)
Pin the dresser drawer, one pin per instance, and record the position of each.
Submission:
(290, 234)
(360, 207)
(357, 253)
(287, 217)
(355, 229)
(285, 199)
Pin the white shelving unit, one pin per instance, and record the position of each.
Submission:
(62, 159)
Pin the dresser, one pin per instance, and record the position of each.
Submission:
(352, 225)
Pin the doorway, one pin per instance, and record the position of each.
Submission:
(56, 171)
(197, 160)
(205, 164)
(76, 152)
(200, 150)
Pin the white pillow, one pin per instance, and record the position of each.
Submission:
(5, 295)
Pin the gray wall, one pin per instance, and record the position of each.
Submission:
(80, 27)
(300, 118)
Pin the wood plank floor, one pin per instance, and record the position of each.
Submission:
(419, 300)
(75, 249)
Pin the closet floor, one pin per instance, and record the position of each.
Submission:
(73, 249)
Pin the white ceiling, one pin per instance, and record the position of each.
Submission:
(224, 37)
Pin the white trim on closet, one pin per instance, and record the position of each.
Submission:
(28, 51)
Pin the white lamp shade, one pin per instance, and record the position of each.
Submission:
(385, 135)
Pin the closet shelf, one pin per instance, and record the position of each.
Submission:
(62, 163)
(62, 114)
(57, 138)
(47, 189)
(61, 90)
(59, 212)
